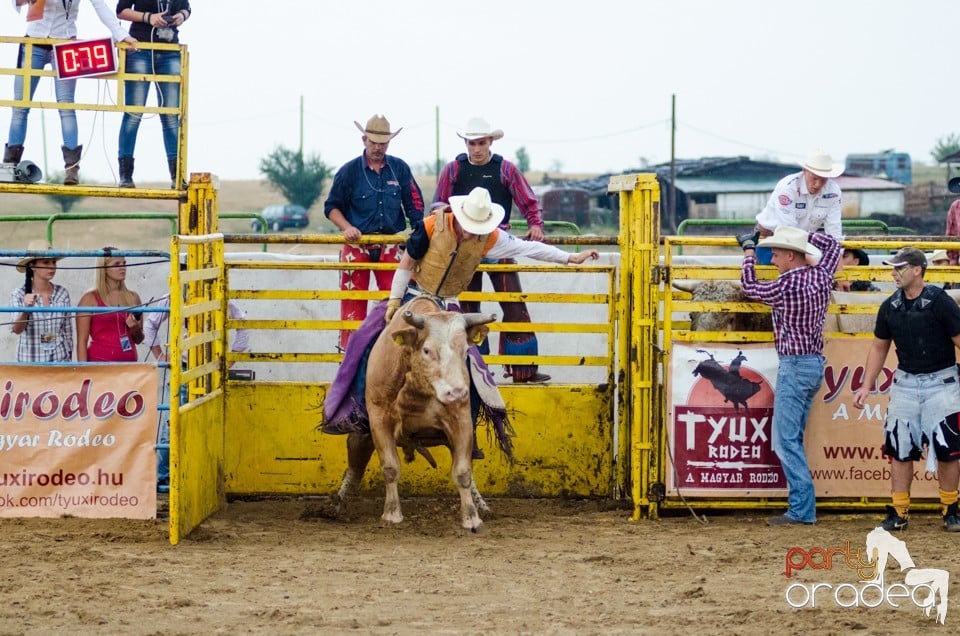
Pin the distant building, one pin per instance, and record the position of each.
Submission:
(739, 187)
(888, 164)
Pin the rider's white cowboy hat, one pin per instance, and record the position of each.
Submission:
(819, 163)
(790, 238)
(378, 129)
(39, 245)
(478, 128)
(476, 213)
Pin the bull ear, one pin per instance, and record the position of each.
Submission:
(406, 337)
(477, 333)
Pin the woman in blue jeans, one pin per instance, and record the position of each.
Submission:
(152, 21)
(54, 20)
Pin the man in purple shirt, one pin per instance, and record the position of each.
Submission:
(480, 167)
(799, 298)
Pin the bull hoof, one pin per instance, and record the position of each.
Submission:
(329, 511)
(473, 525)
(392, 517)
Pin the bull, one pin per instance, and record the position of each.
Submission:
(418, 396)
(728, 382)
(722, 291)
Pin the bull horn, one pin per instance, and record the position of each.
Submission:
(412, 319)
(473, 320)
(684, 285)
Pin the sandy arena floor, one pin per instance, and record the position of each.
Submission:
(538, 566)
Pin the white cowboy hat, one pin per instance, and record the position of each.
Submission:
(476, 212)
(378, 129)
(938, 255)
(819, 163)
(39, 245)
(790, 238)
(478, 128)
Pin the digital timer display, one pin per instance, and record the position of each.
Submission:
(82, 59)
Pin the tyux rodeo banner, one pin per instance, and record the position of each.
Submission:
(78, 440)
(720, 423)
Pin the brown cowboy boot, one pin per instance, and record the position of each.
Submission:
(71, 164)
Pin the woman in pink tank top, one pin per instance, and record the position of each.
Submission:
(110, 336)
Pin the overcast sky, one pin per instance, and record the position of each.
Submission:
(585, 86)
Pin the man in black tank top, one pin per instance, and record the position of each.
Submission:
(922, 415)
(480, 167)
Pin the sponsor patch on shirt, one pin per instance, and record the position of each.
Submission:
(830, 195)
(785, 200)
(393, 183)
(801, 205)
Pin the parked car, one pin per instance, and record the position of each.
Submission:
(281, 216)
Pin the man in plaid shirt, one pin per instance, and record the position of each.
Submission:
(799, 298)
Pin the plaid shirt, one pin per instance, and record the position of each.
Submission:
(799, 298)
(30, 347)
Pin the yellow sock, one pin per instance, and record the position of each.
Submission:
(901, 503)
(946, 499)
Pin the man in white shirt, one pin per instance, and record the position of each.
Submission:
(807, 200)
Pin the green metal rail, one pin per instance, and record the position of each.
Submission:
(853, 224)
(50, 219)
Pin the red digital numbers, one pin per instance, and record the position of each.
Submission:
(82, 59)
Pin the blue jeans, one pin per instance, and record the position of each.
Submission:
(798, 380)
(168, 96)
(65, 90)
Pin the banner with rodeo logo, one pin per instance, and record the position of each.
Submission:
(78, 440)
(720, 418)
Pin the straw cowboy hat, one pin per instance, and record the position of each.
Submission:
(39, 245)
(476, 212)
(790, 238)
(378, 129)
(478, 128)
(938, 255)
(819, 163)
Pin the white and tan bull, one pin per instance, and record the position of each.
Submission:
(418, 395)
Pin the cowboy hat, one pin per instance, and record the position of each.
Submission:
(938, 255)
(378, 129)
(819, 163)
(859, 255)
(39, 245)
(478, 128)
(790, 238)
(476, 213)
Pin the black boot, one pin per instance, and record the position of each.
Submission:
(12, 154)
(71, 164)
(126, 172)
(477, 453)
(172, 164)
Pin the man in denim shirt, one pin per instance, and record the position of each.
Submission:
(371, 195)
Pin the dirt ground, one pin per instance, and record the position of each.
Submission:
(537, 566)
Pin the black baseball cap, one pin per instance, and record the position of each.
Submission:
(907, 256)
